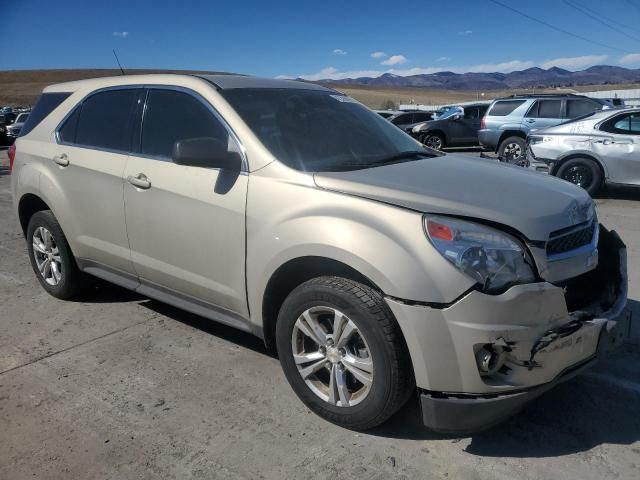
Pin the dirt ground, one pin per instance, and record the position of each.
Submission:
(117, 386)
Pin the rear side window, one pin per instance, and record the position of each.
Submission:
(171, 116)
(46, 104)
(106, 120)
(577, 108)
(403, 119)
(628, 124)
(67, 134)
(421, 117)
(546, 109)
(503, 108)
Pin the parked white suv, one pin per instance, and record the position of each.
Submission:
(376, 266)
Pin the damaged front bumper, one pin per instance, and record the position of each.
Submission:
(541, 333)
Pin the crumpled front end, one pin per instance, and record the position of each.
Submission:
(480, 359)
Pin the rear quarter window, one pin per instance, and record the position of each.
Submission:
(46, 104)
(502, 108)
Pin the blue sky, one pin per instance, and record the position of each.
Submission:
(317, 40)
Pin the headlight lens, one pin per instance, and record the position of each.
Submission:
(535, 139)
(492, 258)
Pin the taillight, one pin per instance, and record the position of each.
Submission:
(12, 157)
(483, 123)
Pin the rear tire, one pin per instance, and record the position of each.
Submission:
(50, 255)
(582, 172)
(512, 150)
(356, 398)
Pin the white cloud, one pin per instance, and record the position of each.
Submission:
(502, 67)
(630, 58)
(575, 63)
(394, 60)
(339, 51)
(465, 32)
(121, 34)
(378, 55)
(443, 59)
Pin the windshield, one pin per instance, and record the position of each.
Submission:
(317, 131)
(450, 112)
(22, 118)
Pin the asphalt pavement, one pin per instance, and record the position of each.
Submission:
(117, 386)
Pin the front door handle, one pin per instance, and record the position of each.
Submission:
(61, 160)
(139, 181)
(531, 120)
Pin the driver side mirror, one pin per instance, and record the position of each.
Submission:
(206, 152)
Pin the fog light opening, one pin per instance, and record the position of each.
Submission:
(489, 359)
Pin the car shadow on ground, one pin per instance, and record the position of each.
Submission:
(612, 192)
(573, 417)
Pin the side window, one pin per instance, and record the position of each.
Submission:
(628, 124)
(405, 118)
(421, 117)
(67, 133)
(46, 104)
(503, 108)
(106, 120)
(577, 108)
(471, 113)
(171, 116)
(546, 109)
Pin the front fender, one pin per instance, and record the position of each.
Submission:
(386, 244)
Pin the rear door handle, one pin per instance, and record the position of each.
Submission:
(606, 141)
(139, 181)
(61, 160)
(531, 120)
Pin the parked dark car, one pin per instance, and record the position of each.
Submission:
(407, 120)
(457, 127)
(6, 119)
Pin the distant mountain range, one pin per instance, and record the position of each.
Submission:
(530, 78)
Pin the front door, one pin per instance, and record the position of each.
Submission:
(186, 225)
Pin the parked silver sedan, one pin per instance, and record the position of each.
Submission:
(589, 151)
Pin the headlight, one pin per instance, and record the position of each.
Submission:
(416, 129)
(492, 258)
(534, 139)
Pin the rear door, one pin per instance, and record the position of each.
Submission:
(89, 160)
(186, 225)
(619, 148)
(543, 113)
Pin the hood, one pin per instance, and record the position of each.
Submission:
(532, 203)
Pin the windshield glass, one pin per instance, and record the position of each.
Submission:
(22, 118)
(319, 131)
(450, 112)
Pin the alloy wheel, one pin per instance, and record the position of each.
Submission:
(47, 256)
(332, 356)
(512, 153)
(433, 141)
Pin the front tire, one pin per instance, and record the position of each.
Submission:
(582, 172)
(343, 353)
(50, 255)
(433, 140)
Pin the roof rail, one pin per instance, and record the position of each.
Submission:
(543, 95)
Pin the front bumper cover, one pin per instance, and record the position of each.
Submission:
(546, 344)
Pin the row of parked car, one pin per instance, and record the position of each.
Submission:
(11, 121)
(587, 141)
